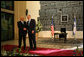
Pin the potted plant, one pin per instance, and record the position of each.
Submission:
(78, 52)
(38, 28)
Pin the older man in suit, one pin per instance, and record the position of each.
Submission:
(22, 31)
(31, 24)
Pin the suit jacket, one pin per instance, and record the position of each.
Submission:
(31, 26)
(21, 26)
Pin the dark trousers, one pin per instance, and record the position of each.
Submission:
(32, 40)
(22, 37)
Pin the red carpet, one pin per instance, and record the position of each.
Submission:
(42, 51)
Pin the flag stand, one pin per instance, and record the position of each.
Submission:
(52, 38)
(75, 41)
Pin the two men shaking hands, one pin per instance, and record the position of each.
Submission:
(27, 27)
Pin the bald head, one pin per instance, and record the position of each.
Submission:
(22, 18)
(29, 17)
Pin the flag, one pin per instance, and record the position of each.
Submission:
(52, 27)
(74, 27)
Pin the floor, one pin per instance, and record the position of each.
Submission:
(50, 43)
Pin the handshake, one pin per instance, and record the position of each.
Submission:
(24, 29)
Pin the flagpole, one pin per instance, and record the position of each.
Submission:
(74, 30)
(52, 29)
(74, 42)
(75, 39)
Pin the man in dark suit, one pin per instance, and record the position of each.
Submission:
(22, 31)
(31, 24)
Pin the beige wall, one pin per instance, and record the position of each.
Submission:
(19, 10)
(33, 9)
